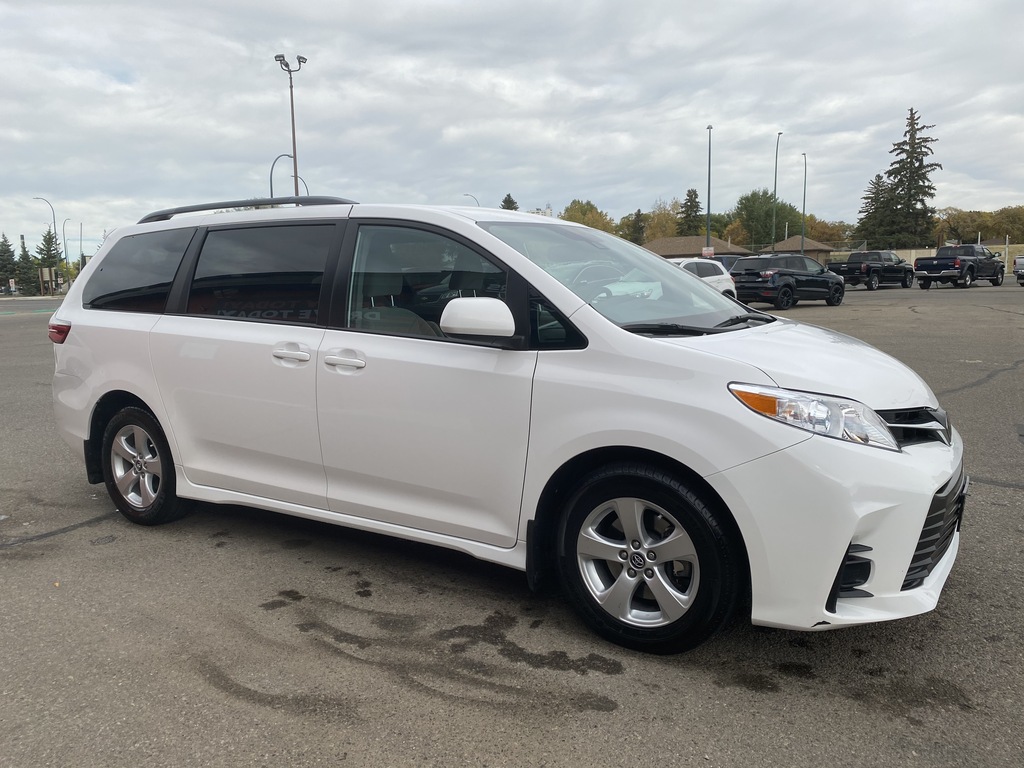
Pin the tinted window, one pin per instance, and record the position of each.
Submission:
(262, 273)
(137, 272)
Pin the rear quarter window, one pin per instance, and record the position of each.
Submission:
(137, 272)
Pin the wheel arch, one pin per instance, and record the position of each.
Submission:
(542, 530)
(108, 405)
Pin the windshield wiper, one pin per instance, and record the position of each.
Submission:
(751, 317)
(667, 329)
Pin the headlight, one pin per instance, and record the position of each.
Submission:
(830, 416)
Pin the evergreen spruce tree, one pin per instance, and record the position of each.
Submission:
(690, 221)
(877, 223)
(509, 204)
(8, 265)
(636, 227)
(909, 180)
(27, 273)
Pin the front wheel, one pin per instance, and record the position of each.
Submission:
(138, 469)
(646, 562)
(835, 296)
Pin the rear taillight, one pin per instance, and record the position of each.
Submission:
(58, 331)
(768, 273)
(863, 267)
(956, 263)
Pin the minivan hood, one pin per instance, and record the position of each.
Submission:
(813, 359)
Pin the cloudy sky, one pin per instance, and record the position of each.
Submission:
(112, 109)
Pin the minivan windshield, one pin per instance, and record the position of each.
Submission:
(631, 286)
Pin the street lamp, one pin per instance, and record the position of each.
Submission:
(708, 201)
(52, 213)
(466, 194)
(272, 172)
(280, 59)
(64, 239)
(803, 215)
(775, 189)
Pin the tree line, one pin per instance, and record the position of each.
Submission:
(895, 211)
(24, 268)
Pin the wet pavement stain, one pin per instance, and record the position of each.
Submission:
(479, 662)
(296, 704)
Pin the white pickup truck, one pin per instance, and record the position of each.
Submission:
(1018, 270)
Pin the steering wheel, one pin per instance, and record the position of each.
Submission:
(610, 273)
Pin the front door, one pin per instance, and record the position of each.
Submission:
(418, 429)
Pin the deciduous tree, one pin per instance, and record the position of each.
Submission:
(585, 212)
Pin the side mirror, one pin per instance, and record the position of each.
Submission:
(478, 316)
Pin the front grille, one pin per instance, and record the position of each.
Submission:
(912, 426)
(943, 521)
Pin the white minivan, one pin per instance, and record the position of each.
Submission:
(530, 391)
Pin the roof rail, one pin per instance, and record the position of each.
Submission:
(169, 213)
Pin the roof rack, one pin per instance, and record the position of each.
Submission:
(169, 213)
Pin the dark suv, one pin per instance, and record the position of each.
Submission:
(783, 279)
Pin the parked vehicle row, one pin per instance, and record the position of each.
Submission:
(526, 390)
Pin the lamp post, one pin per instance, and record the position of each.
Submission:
(466, 194)
(775, 187)
(708, 201)
(54, 215)
(280, 59)
(64, 239)
(803, 214)
(272, 171)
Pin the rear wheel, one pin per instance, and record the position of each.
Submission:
(924, 283)
(908, 280)
(998, 279)
(646, 562)
(872, 283)
(138, 469)
(966, 280)
(835, 295)
(784, 299)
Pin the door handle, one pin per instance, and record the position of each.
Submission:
(291, 354)
(348, 362)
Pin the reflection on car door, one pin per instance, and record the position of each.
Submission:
(417, 429)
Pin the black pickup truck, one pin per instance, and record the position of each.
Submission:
(960, 265)
(874, 268)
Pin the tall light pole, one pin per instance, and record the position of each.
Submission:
(803, 215)
(775, 188)
(64, 239)
(280, 59)
(707, 202)
(466, 194)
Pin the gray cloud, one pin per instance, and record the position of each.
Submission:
(113, 109)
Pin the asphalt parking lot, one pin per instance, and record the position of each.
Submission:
(238, 637)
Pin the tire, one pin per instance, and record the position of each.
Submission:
(138, 469)
(998, 279)
(924, 283)
(966, 280)
(908, 280)
(872, 283)
(645, 562)
(785, 298)
(835, 295)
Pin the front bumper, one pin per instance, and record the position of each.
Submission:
(851, 504)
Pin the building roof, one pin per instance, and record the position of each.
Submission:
(792, 245)
(693, 245)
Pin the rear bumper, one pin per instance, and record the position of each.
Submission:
(945, 274)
